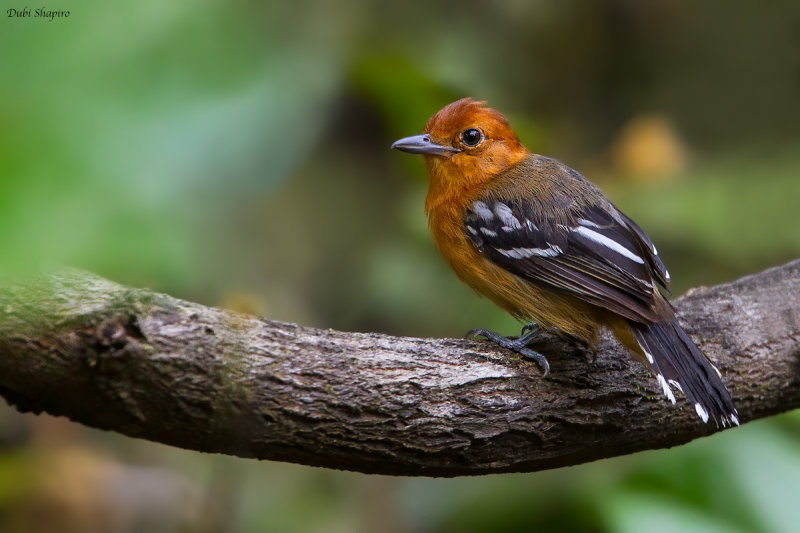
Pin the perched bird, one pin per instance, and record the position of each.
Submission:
(546, 245)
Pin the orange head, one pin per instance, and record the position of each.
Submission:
(465, 143)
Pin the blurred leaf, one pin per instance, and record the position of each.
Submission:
(648, 148)
(114, 148)
(636, 513)
(16, 483)
(767, 464)
(405, 96)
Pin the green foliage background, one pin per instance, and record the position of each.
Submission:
(236, 154)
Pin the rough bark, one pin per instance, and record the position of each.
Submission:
(151, 366)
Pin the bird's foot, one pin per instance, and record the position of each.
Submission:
(516, 344)
(582, 345)
(586, 348)
(531, 327)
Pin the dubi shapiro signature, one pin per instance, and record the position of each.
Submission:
(41, 13)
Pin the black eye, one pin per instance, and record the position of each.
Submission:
(471, 137)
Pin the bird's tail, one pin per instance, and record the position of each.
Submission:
(679, 363)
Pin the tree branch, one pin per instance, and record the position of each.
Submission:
(151, 366)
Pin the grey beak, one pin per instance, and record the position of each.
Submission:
(422, 144)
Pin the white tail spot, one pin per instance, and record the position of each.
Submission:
(667, 391)
(676, 385)
(701, 412)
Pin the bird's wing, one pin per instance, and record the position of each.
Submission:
(600, 256)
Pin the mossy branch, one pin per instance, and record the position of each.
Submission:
(151, 366)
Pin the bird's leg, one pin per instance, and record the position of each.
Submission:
(516, 344)
(584, 346)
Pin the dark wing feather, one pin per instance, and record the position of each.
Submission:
(651, 253)
(599, 256)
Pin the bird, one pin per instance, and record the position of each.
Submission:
(547, 246)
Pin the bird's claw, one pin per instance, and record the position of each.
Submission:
(532, 326)
(540, 359)
(519, 345)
